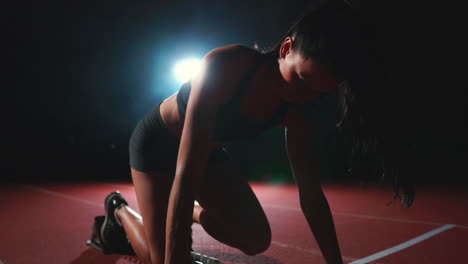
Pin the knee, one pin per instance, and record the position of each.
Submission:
(259, 244)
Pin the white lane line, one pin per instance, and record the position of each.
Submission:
(402, 246)
(61, 195)
(460, 226)
(69, 197)
(367, 216)
(264, 205)
(125, 185)
(116, 185)
(310, 251)
(385, 252)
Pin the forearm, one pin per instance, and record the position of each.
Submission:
(179, 219)
(318, 215)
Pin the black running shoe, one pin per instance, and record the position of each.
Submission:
(112, 235)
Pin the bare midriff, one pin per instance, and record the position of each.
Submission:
(171, 116)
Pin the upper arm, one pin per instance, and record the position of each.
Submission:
(208, 92)
(302, 151)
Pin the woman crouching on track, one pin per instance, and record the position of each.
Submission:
(177, 154)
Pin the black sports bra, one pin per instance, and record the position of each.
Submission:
(231, 125)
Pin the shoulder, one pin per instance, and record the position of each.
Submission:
(228, 61)
(222, 68)
(212, 88)
(230, 52)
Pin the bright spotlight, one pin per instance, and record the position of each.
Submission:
(186, 69)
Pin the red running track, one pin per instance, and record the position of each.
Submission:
(49, 223)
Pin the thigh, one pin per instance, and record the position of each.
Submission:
(152, 191)
(226, 195)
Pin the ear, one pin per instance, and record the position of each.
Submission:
(286, 47)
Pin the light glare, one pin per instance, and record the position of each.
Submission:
(186, 69)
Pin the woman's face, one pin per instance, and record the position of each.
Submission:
(305, 79)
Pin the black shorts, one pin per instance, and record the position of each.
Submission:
(153, 148)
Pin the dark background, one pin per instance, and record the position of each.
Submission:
(79, 75)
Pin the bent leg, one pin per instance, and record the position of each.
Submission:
(147, 233)
(133, 226)
(230, 212)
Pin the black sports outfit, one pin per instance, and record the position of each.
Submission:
(153, 148)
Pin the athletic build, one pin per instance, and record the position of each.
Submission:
(229, 211)
(177, 155)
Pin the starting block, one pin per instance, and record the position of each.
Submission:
(203, 259)
(95, 242)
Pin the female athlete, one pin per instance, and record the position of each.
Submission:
(177, 155)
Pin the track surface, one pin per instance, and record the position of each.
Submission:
(49, 223)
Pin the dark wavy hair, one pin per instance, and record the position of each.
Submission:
(344, 42)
